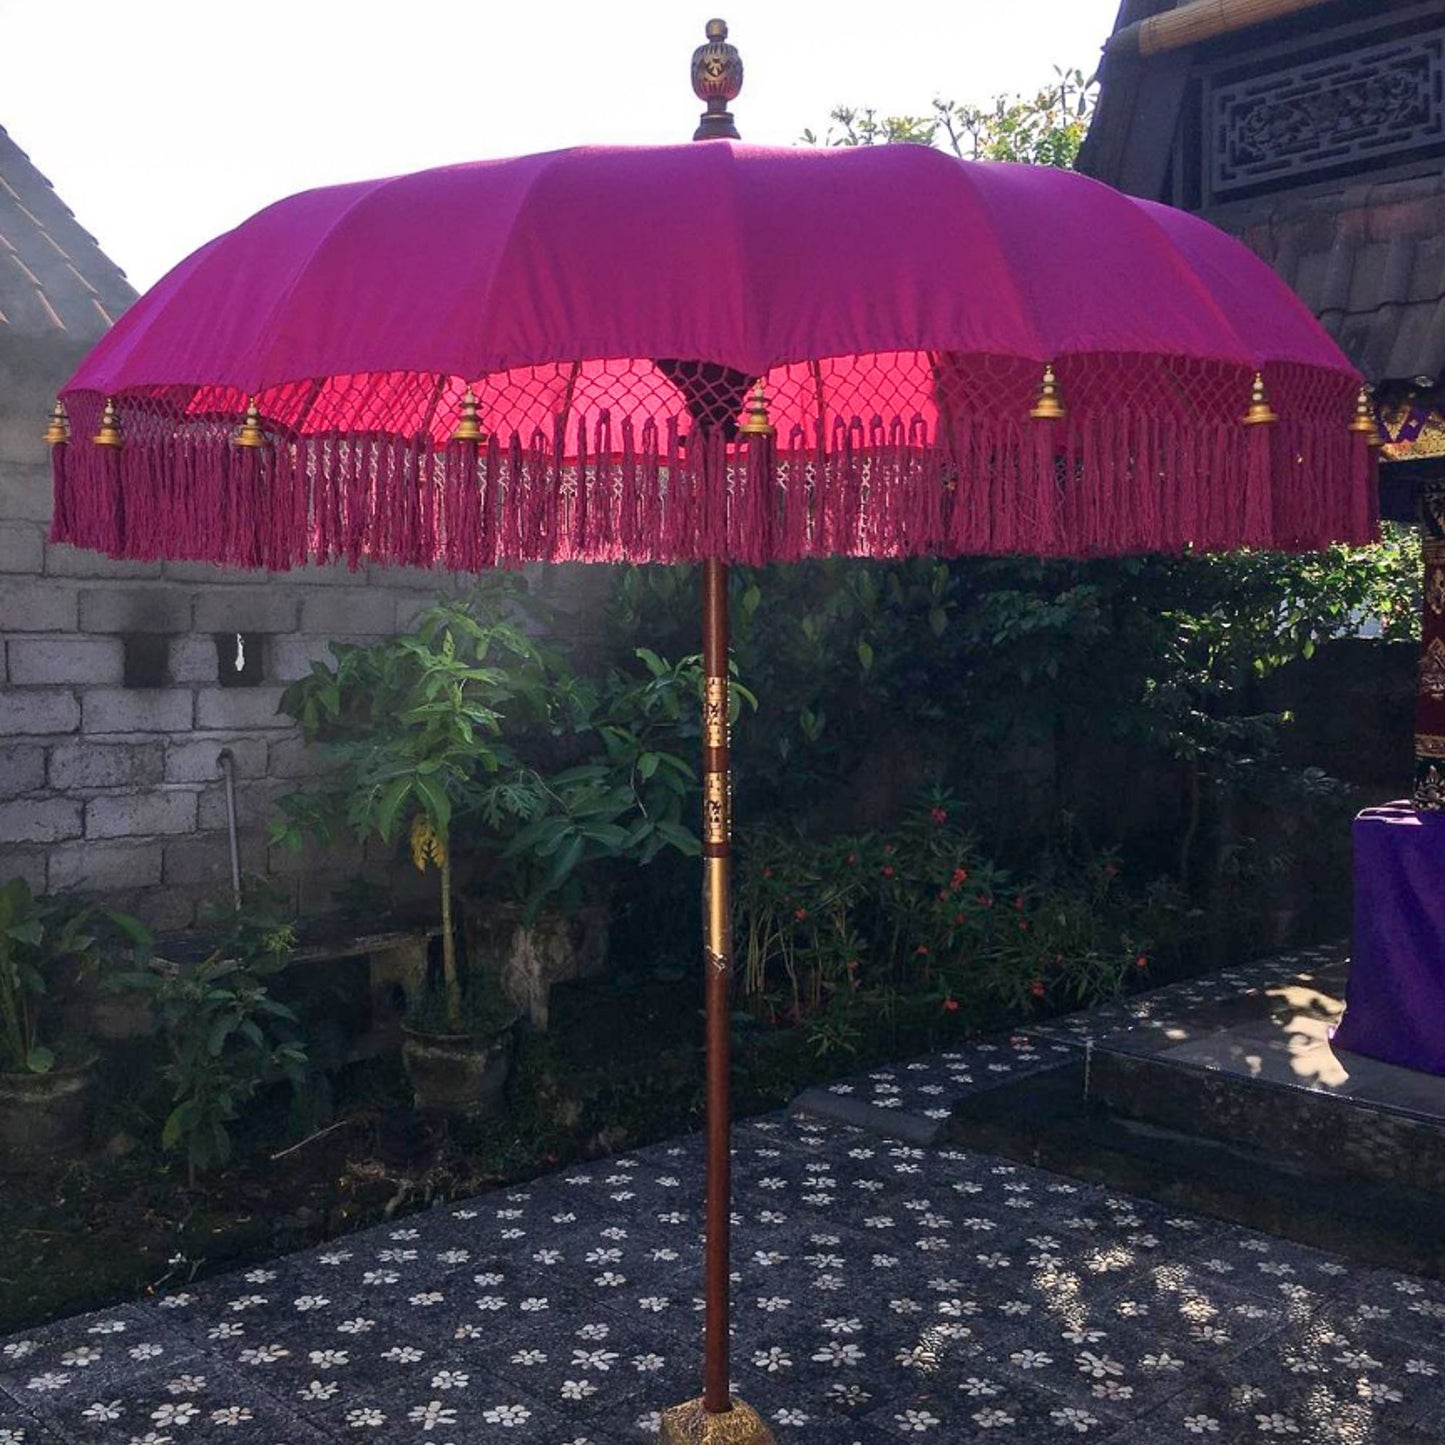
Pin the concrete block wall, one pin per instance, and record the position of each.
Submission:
(118, 789)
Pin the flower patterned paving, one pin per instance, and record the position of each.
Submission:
(914, 1099)
(882, 1291)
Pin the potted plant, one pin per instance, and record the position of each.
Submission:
(459, 1061)
(43, 1086)
(412, 723)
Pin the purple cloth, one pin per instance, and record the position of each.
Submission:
(1395, 1003)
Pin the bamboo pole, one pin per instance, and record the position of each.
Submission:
(1201, 20)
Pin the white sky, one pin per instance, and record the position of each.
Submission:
(163, 122)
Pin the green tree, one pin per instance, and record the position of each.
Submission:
(1044, 129)
(412, 723)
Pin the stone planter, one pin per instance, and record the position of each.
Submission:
(118, 1016)
(43, 1117)
(457, 1073)
(557, 948)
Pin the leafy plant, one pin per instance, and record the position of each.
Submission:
(879, 677)
(831, 928)
(225, 1033)
(412, 725)
(37, 936)
(467, 731)
(624, 794)
(486, 1011)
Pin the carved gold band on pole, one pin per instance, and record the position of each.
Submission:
(715, 712)
(715, 808)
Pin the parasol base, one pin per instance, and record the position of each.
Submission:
(690, 1424)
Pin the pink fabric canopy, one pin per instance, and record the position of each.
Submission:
(611, 310)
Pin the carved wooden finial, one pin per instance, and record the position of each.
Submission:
(717, 78)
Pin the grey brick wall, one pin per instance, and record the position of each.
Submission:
(117, 790)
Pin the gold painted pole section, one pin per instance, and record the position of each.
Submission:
(1201, 20)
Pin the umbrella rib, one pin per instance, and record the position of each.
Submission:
(817, 370)
(431, 410)
(568, 396)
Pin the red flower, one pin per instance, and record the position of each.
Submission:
(960, 875)
(888, 872)
(1037, 988)
(1141, 962)
(1110, 870)
(984, 901)
(1019, 901)
(939, 816)
(1023, 925)
(800, 914)
(922, 950)
(767, 872)
(851, 859)
(950, 1005)
(957, 919)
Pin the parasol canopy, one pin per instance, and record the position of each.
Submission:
(546, 358)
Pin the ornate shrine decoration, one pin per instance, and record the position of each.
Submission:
(1295, 122)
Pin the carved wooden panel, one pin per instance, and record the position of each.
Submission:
(1353, 110)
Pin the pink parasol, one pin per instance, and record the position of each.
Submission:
(716, 353)
(606, 305)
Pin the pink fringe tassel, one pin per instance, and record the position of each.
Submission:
(1094, 483)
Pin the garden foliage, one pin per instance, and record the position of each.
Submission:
(225, 1033)
(831, 931)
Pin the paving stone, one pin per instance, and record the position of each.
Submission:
(882, 1290)
(199, 1402)
(20, 1427)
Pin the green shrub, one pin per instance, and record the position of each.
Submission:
(226, 1036)
(829, 929)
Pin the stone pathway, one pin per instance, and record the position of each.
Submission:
(913, 1100)
(883, 1290)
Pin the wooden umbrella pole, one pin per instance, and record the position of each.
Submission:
(716, 1418)
(717, 77)
(717, 955)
